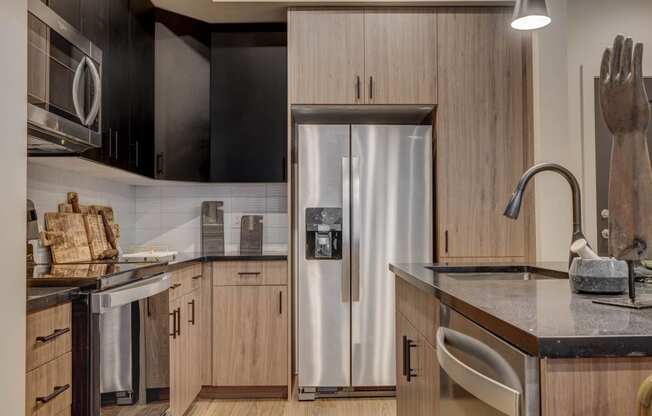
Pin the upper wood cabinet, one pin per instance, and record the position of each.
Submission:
(400, 50)
(481, 134)
(371, 56)
(325, 56)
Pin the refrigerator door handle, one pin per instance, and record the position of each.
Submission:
(346, 244)
(355, 227)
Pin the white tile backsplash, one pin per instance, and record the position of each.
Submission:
(166, 214)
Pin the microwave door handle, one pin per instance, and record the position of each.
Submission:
(97, 98)
(76, 85)
(492, 392)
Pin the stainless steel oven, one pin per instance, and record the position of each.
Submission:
(130, 351)
(482, 375)
(64, 88)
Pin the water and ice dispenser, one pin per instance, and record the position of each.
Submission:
(324, 233)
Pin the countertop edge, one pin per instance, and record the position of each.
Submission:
(58, 297)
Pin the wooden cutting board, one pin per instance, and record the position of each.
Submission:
(97, 241)
(95, 209)
(66, 235)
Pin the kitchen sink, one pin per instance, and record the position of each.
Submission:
(497, 272)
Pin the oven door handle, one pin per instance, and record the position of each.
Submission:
(102, 302)
(76, 85)
(492, 392)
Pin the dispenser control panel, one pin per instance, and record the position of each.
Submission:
(324, 233)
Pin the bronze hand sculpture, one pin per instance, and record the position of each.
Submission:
(626, 111)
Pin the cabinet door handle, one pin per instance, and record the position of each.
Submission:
(173, 314)
(137, 154)
(248, 273)
(192, 312)
(280, 303)
(197, 277)
(284, 167)
(405, 355)
(55, 334)
(446, 241)
(357, 87)
(179, 321)
(116, 145)
(371, 87)
(110, 143)
(56, 392)
(174, 286)
(159, 164)
(409, 344)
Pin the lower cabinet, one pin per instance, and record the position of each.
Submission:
(250, 342)
(417, 369)
(185, 377)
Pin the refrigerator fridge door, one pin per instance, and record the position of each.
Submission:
(323, 307)
(392, 222)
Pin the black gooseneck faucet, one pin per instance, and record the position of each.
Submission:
(514, 205)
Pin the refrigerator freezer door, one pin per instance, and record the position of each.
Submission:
(392, 222)
(323, 307)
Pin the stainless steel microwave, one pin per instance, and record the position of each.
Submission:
(64, 88)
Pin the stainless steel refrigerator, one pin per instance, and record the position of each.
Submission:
(364, 199)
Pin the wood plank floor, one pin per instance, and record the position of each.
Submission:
(322, 407)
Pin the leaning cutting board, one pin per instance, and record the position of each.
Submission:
(66, 235)
(97, 240)
(94, 209)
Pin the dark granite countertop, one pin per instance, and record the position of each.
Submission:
(44, 297)
(228, 256)
(542, 316)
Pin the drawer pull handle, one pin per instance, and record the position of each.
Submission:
(57, 391)
(176, 285)
(248, 273)
(55, 334)
(196, 277)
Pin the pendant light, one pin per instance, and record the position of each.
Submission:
(530, 15)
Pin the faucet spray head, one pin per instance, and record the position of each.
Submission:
(513, 207)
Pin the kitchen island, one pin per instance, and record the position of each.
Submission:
(586, 358)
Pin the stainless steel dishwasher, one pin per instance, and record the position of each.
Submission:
(482, 375)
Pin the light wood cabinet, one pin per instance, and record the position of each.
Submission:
(362, 56)
(481, 134)
(325, 56)
(250, 342)
(48, 380)
(417, 319)
(240, 273)
(400, 51)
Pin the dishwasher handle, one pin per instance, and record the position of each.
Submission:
(103, 302)
(492, 392)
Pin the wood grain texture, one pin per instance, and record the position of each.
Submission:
(231, 273)
(97, 239)
(429, 382)
(42, 381)
(325, 55)
(592, 386)
(480, 132)
(400, 50)
(408, 395)
(73, 245)
(44, 323)
(322, 407)
(250, 325)
(185, 280)
(157, 341)
(419, 308)
(206, 323)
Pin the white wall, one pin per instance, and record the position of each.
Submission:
(47, 187)
(13, 84)
(567, 58)
(170, 215)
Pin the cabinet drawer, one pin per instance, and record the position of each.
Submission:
(185, 280)
(49, 388)
(419, 308)
(48, 335)
(239, 273)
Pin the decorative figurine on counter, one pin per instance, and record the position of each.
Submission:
(626, 111)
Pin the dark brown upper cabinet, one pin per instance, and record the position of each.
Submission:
(249, 103)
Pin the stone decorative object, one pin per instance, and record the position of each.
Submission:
(626, 111)
(602, 275)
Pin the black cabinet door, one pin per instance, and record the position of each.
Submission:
(248, 107)
(94, 21)
(141, 87)
(117, 75)
(182, 98)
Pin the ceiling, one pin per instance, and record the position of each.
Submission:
(264, 11)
